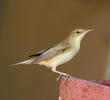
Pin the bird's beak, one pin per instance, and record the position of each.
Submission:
(90, 30)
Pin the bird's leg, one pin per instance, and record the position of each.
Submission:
(61, 73)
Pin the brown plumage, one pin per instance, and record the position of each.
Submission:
(49, 53)
(60, 53)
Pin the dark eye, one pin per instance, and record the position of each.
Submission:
(78, 32)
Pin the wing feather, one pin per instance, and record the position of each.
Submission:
(39, 53)
(56, 50)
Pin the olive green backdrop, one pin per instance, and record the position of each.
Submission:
(30, 25)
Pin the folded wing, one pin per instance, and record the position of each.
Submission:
(50, 52)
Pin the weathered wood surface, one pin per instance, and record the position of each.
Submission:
(78, 89)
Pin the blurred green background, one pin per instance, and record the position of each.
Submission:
(29, 26)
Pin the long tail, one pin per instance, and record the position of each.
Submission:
(24, 62)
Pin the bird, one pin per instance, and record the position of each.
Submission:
(60, 53)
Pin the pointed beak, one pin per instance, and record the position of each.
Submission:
(90, 30)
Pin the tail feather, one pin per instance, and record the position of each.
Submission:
(24, 62)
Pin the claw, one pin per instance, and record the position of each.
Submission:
(58, 78)
(67, 77)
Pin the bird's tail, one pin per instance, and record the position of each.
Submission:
(24, 62)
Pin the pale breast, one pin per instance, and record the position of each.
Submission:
(60, 59)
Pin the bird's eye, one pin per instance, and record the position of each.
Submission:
(78, 32)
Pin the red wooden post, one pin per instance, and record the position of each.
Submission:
(78, 89)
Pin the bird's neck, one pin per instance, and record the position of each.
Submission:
(75, 42)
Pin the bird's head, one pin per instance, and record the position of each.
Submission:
(78, 34)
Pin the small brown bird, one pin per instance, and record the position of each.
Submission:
(60, 53)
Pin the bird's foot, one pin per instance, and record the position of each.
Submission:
(66, 78)
(58, 78)
(66, 75)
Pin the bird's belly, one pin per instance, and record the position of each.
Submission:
(60, 59)
(63, 58)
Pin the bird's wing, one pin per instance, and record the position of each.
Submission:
(39, 53)
(56, 50)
